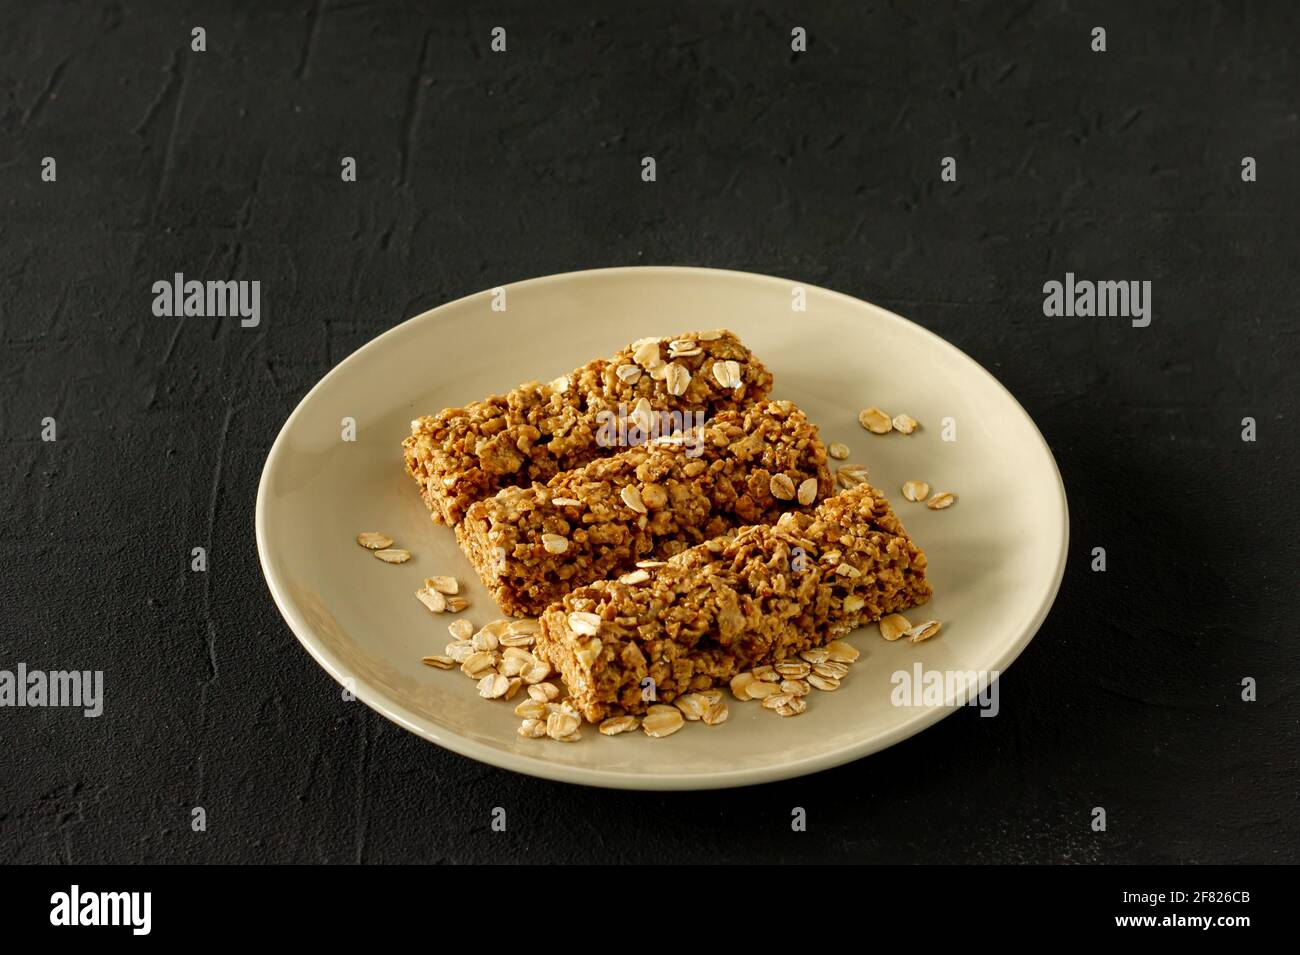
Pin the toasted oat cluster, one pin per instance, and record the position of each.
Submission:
(532, 433)
(532, 545)
(760, 595)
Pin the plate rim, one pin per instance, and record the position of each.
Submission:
(376, 698)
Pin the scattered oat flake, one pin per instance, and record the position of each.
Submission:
(457, 604)
(493, 686)
(560, 724)
(829, 684)
(875, 421)
(940, 501)
(740, 684)
(905, 423)
(535, 671)
(832, 670)
(807, 491)
(923, 631)
(662, 721)
(544, 692)
(761, 689)
(916, 490)
(793, 707)
(461, 629)
(477, 664)
(393, 555)
(618, 724)
(692, 705)
(782, 487)
(796, 687)
(532, 728)
(373, 540)
(841, 652)
(442, 663)
(530, 709)
(793, 669)
(816, 655)
(715, 714)
(838, 450)
(894, 626)
(444, 585)
(851, 475)
(435, 601)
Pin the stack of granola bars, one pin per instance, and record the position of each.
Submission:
(670, 524)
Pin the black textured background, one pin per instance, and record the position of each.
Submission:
(477, 169)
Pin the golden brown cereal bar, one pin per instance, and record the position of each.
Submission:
(462, 455)
(532, 545)
(756, 597)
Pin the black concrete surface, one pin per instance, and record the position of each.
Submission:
(477, 169)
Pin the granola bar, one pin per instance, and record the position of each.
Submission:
(755, 597)
(532, 545)
(462, 455)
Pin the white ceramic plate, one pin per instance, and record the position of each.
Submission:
(996, 556)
